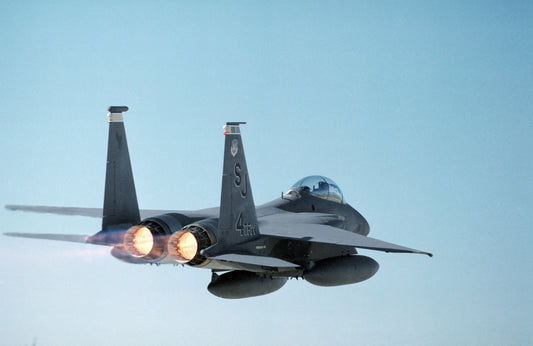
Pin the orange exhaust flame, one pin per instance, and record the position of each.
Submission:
(182, 246)
(138, 241)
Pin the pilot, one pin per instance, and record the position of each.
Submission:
(322, 186)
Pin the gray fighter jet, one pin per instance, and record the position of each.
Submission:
(309, 232)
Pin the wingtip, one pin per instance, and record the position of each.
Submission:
(423, 253)
(429, 254)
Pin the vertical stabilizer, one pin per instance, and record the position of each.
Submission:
(238, 220)
(121, 209)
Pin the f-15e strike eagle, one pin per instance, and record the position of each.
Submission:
(309, 232)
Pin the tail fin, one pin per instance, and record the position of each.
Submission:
(121, 209)
(238, 221)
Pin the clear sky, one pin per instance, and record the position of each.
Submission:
(422, 112)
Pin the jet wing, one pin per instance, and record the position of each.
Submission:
(320, 233)
(90, 212)
(97, 212)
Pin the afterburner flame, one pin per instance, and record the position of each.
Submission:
(138, 241)
(182, 246)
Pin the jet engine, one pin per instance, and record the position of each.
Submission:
(157, 238)
(243, 284)
(148, 239)
(185, 245)
(342, 271)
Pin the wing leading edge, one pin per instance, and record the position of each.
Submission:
(97, 212)
(331, 235)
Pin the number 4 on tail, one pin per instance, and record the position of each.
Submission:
(245, 229)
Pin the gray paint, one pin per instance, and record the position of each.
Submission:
(242, 284)
(342, 271)
(120, 200)
(237, 216)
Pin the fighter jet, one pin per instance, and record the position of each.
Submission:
(309, 232)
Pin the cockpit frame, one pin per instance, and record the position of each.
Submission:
(318, 186)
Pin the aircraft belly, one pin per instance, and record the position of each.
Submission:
(320, 251)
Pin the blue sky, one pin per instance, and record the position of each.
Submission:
(421, 112)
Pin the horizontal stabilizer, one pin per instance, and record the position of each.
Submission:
(331, 235)
(73, 238)
(256, 260)
(90, 212)
(97, 212)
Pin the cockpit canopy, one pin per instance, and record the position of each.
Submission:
(317, 186)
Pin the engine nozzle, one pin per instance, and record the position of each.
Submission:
(147, 240)
(138, 241)
(184, 246)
